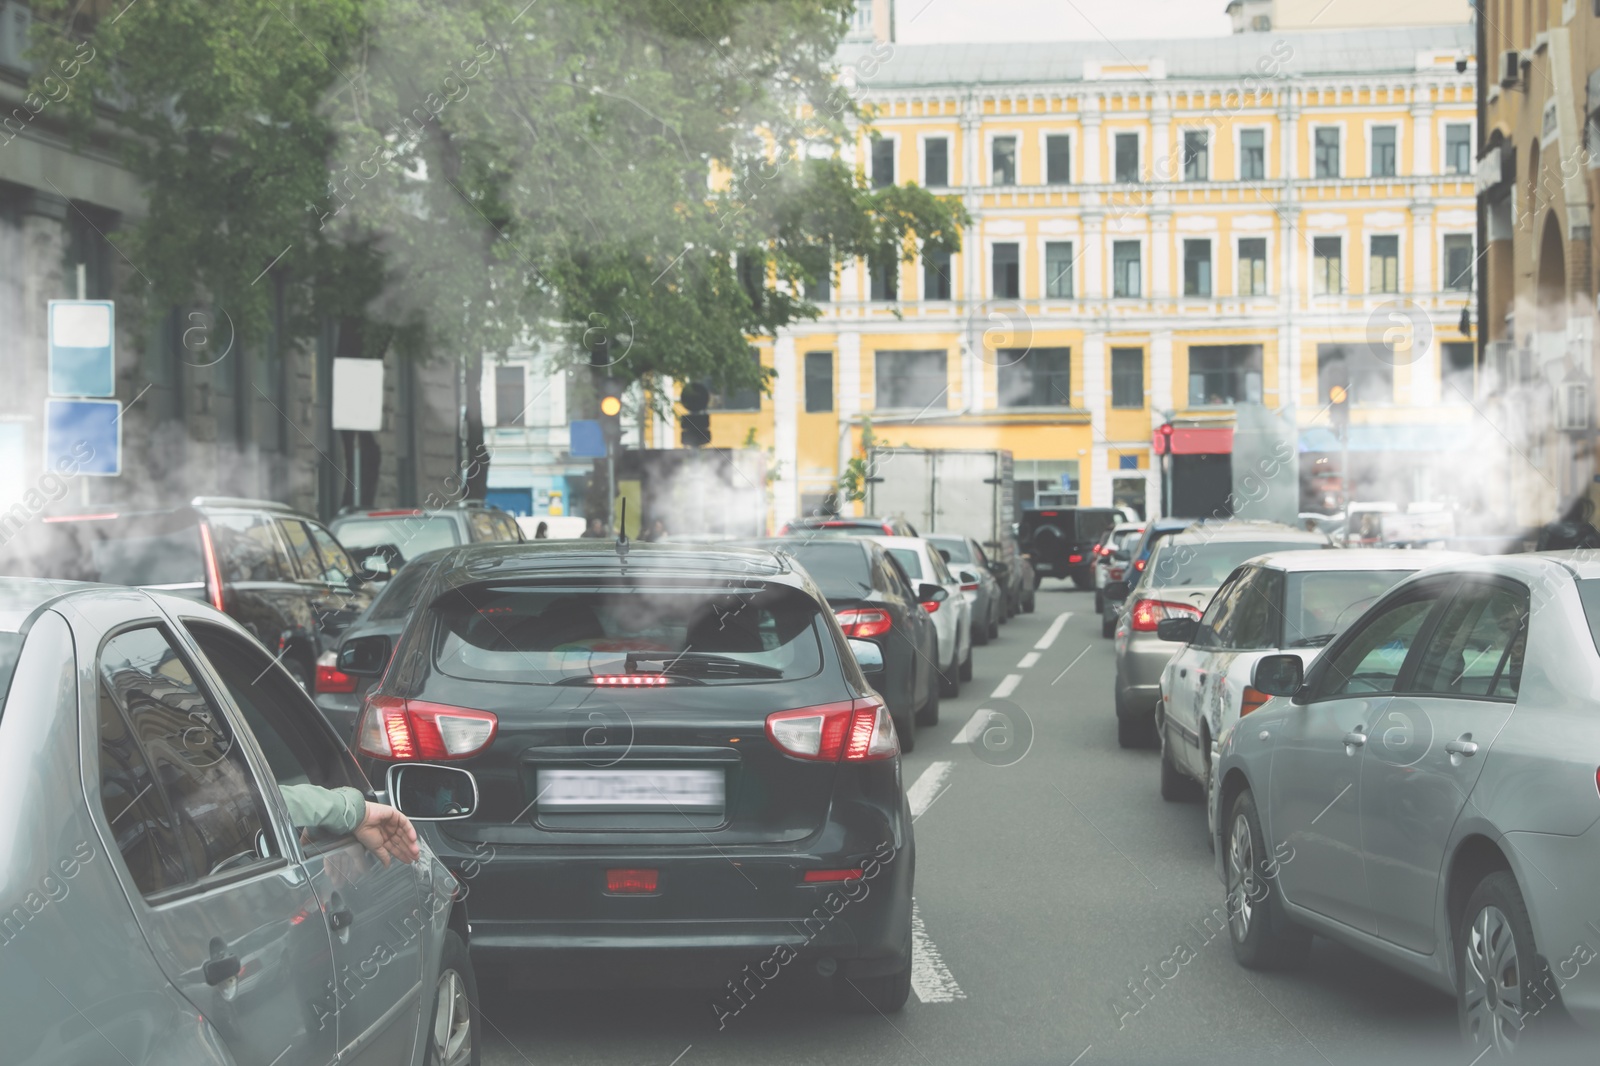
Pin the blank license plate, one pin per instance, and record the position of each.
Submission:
(579, 791)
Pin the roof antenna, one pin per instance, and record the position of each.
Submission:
(622, 532)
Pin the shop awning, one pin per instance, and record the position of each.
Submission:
(1387, 439)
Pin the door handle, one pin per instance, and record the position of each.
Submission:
(220, 968)
(1183, 673)
(1462, 747)
(1354, 739)
(340, 919)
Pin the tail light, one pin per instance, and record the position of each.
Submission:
(1252, 700)
(630, 680)
(208, 552)
(631, 880)
(329, 677)
(1074, 558)
(930, 605)
(850, 731)
(970, 588)
(864, 621)
(1138, 564)
(816, 877)
(401, 729)
(1116, 573)
(1147, 613)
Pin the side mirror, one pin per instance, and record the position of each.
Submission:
(364, 657)
(868, 655)
(428, 793)
(1178, 630)
(929, 593)
(1115, 590)
(1279, 675)
(944, 553)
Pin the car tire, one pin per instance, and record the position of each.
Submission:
(906, 730)
(966, 665)
(1038, 579)
(994, 627)
(980, 632)
(1108, 624)
(928, 714)
(1099, 602)
(873, 995)
(1493, 923)
(453, 1040)
(1081, 583)
(1028, 604)
(1262, 935)
(950, 681)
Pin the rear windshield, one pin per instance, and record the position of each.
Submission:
(844, 529)
(542, 635)
(910, 561)
(840, 570)
(1126, 539)
(1208, 565)
(412, 534)
(1589, 595)
(959, 552)
(399, 593)
(159, 549)
(1323, 604)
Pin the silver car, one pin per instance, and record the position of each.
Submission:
(982, 591)
(1427, 793)
(162, 908)
(1183, 574)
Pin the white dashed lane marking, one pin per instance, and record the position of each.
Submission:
(931, 979)
(1054, 631)
(928, 785)
(1006, 687)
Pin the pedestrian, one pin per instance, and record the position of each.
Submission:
(542, 532)
(596, 530)
(657, 530)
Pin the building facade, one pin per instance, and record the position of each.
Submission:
(1162, 231)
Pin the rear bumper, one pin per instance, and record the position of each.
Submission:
(1139, 667)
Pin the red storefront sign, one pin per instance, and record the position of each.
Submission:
(1195, 442)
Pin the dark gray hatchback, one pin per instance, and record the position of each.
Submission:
(683, 767)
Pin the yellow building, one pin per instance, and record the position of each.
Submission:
(1162, 229)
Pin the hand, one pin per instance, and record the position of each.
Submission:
(386, 832)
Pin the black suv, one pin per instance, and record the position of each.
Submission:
(684, 769)
(281, 574)
(401, 533)
(1060, 540)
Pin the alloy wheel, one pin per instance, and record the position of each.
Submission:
(452, 1022)
(1241, 878)
(1493, 973)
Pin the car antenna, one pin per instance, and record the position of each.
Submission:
(622, 533)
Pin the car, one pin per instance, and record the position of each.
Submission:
(1059, 539)
(1182, 576)
(282, 574)
(952, 616)
(848, 526)
(400, 533)
(1138, 558)
(1112, 554)
(1289, 603)
(148, 749)
(979, 585)
(873, 600)
(338, 695)
(1432, 775)
(685, 766)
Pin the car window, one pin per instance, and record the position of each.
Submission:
(898, 579)
(1258, 621)
(840, 569)
(959, 552)
(1372, 659)
(1318, 605)
(301, 550)
(337, 569)
(298, 749)
(412, 534)
(248, 548)
(509, 530)
(399, 593)
(941, 572)
(979, 554)
(1187, 564)
(179, 795)
(910, 562)
(1478, 646)
(1216, 625)
(482, 523)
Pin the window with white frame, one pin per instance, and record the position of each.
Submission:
(1383, 263)
(1126, 272)
(1058, 159)
(1325, 140)
(1327, 265)
(1458, 260)
(1058, 270)
(1458, 148)
(1196, 155)
(1385, 148)
(935, 275)
(1252, 266)
(936, 162)
(1197, 268)
(1126, 158)
(882, 162)
(1003, 161)
(1252, 155)
(1006, 261)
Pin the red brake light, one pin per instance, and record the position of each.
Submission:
(330, 678)
(970, 588)
(208, 552)
(1138, 564)
(814, 877)
(631, 880)
(1048, 514)
(1147, 613)
(630, 680)
(402, 729)
(851, 731)
(1074, 559)
(930, 605)
(1252, 700)
(864, 621)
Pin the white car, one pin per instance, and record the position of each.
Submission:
(952, 618)
(1283, 603)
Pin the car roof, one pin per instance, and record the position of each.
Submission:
(1264, 531)
(1360, 559)
(1128, 527)
(942, 536)
(512, 560)
(901, 542)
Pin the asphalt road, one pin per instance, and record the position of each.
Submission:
(1050, 875)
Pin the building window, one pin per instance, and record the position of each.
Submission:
(1003, 161)
(1457, 372)
(1197, 268)
(1127, 377)
(936, 162)
(1058, 159)
(1224, 374)
(1327, 265)
(1196, 156)
(1383, 151)
(882, 162)
(819, 289)
(509, 391)
(1058, 270)
(885, 278)
(910, 379)
(737, 398)
(1458, 262)
(1369, 379)
(1007, 267)
(819, 382)
(1035, 377)
(1125, 271)
(1458, 148)
(1127, 158)
(1252, 266)
(1252, 155)
(1383, 265)
(1327, 152)
(935, 275)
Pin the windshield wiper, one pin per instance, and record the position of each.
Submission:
(700, 664)
(1312, 642)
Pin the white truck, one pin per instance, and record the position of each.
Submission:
(948, 490)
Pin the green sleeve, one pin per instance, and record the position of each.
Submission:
(315, 807)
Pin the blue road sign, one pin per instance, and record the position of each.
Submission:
(588, 441)
(85, 433)
(83, 355)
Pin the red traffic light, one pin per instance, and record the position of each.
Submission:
(1166, 429)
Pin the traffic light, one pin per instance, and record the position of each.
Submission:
(1339, 407)
(1166, 438)
(694, 428)
(611, 411)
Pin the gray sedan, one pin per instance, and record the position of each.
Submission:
(1427, 794)
(189, 867)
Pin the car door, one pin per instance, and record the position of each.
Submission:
(924, 638)
(1314, 780)
(1429, 748)
(261, 587)
(215, 886)
(344, 597)
(376, 912)
(954, 602)
(1184, 678)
